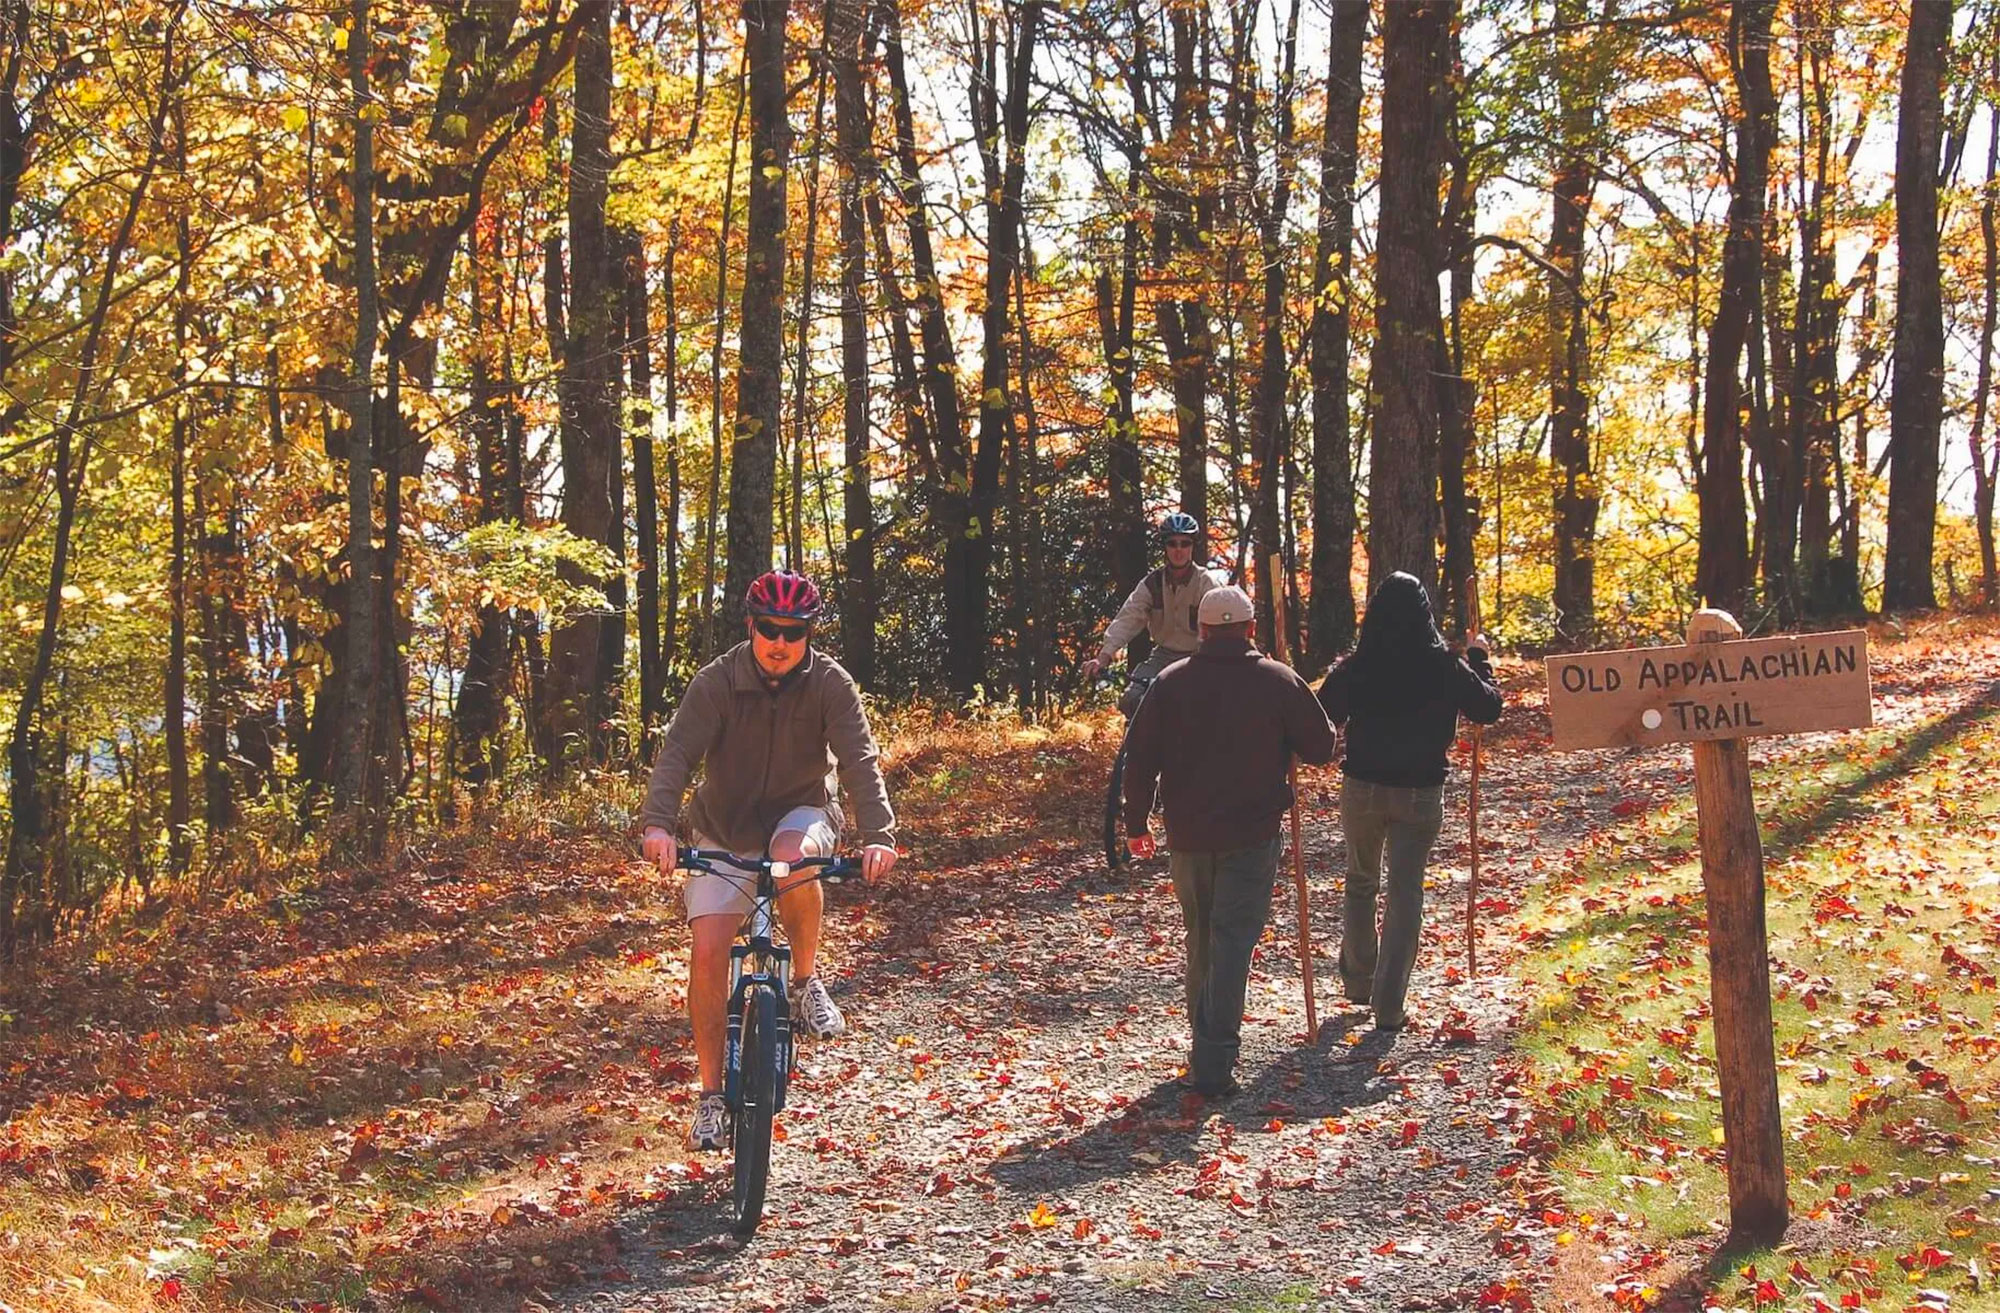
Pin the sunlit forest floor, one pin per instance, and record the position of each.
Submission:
(462, 1081)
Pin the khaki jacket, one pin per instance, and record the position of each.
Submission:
(766, 752)
(1172, 624)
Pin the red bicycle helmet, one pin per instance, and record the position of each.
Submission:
(782, 593)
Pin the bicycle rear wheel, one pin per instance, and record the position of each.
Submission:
(1115, 853)
(751, 1130)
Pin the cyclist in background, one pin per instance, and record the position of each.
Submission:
(1166, 605)
(769, 720)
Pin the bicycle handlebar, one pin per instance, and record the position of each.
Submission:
(832, 870)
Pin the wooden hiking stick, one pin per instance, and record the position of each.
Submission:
(1472, 800)
(1277, 578)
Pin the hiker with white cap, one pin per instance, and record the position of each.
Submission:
(1216, 736)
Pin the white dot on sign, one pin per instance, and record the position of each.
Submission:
(1652, 719)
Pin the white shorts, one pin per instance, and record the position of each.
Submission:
(708, 894)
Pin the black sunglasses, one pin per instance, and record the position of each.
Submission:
(1180, 542)
(772, 630)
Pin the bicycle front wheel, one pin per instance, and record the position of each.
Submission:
(758, 1089)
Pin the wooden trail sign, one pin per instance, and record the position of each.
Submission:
(1713, 693)
(1722, 690)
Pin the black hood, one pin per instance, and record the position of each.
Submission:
(1400, 647)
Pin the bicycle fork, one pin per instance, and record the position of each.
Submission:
(776, 976)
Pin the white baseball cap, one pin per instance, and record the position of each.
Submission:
(1227, 605)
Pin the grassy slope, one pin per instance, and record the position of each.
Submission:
(1883, 904)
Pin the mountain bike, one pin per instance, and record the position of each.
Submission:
(1117, 854)
(757, 1048)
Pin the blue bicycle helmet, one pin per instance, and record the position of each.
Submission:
(1179, 525)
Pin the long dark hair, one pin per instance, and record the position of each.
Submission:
(1400, 650)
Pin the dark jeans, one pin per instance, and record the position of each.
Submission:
(1225, 900)
(1382, 820)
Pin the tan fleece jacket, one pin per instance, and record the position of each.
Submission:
(765, 752)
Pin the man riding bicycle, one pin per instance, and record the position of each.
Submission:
(769, 720)
(1166, 605)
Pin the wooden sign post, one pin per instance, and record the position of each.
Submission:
(1714, 693)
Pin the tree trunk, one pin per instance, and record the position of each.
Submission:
(1269, 429)
(1031, 577)
(1580, 88)
(1330, 614)
(353, 729)
(713, 634)
(1126, 511)
(1402, 502)
(795, 533)
(180, 835)
(645, 492)
(996, 418)
(579, 656)
(759, 382)
(222, 585)
(1184, 319)
(1815, 337)
(951, 509)
(479, 712)
(1916, 404)
(1722, 571)
(858, 604)
(1985, 470)
(670, 355)
(1455, 393)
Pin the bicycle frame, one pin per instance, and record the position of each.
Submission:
(758, 959)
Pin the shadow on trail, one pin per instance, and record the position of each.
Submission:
(1165, 1125)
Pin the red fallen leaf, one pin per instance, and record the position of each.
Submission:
(1851, 1299)
(941, 1184)
(1628, 807)
(1410, 1132)
(1768, 1293)
(284, 1237)
(1449, 1075)
(817, 1297)
(1843, 1190)
(1084, 1226)
(1386, 1247)
(1798, 1271)
(170, 1290)
(1146, 1232)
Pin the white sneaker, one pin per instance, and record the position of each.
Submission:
(817, 1010)
(711, 1124)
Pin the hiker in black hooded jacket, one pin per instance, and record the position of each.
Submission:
(1399, 694)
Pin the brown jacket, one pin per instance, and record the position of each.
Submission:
(766, 752)
(1218, 732)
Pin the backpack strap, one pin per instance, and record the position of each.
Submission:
(1156, 588)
